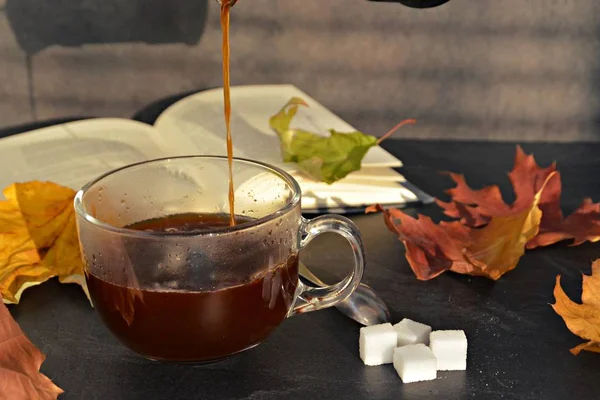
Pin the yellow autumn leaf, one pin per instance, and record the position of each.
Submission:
(582, 319)
(64, 259)
(19, 257)
(45, 207)
(38, 238)
(15, 281)
(16, 246)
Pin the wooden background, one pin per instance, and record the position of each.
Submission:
(471, 69)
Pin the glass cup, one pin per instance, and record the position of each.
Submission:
(183, 285)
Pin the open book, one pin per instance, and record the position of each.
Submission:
(72, 154)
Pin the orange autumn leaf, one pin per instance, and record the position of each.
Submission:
(452, 246)
(20, 362)
(582, 319)
(490, 251)
(39, 238)
(475, 208)
(589, 346)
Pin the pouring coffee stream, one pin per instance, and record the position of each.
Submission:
(225, 11)
(363, 306)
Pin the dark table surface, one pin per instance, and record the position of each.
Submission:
(518, 346)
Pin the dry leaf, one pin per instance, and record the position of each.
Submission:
(582, 319)
(64, 257)
(475, 208)
(20, 362)
(490, 251)
(498, 247)
(19, 258)
(583, 225)
(15, 281)
(430, 249)
(39, 238)
(16, 246)
(45, 206)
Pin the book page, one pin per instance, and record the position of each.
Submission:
(200, 118)
(332, 198)
(74, 153)
(366, 176)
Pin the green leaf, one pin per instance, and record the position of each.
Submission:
(326, 159)
(281, 121)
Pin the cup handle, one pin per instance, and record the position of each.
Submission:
(315, 298)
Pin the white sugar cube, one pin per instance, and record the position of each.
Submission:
(411, 332)
(450, 350)
(415, 363)
(377, 343)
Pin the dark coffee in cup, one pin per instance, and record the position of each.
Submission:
(179, 323)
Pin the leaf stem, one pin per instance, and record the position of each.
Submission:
(394, 129)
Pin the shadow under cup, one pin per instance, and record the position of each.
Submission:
(169, 276)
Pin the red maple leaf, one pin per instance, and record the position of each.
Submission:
(490, 236)
(475, 208)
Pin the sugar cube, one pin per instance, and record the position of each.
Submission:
(411, 332)
(415, 363)
(376, 344)
(450, 350)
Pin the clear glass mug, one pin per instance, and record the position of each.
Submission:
(197, 295)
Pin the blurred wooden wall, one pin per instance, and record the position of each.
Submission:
(472, 69)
